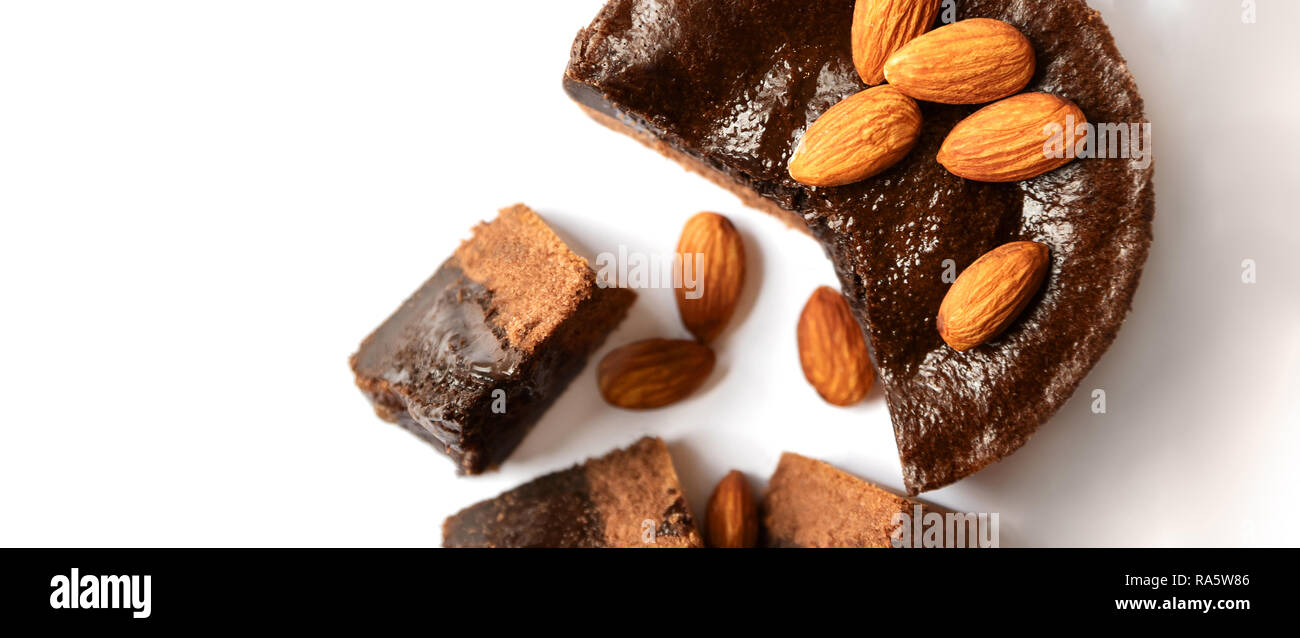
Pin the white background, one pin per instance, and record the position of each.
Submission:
(205, 206)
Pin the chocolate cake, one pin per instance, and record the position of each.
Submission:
(627, 498)
(813, 504)
(472, 360)
(727, 88)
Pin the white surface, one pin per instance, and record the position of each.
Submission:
(205, 207)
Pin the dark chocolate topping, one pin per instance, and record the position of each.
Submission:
(434, 363)
(554, 510)
(729, 86)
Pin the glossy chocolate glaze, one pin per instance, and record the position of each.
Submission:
(729, 86)
(432, 366)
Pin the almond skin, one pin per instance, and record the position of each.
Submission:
(968, 62)
(653, 373)
(881, 27)
(720, 276)
(989, 295)
(1007, 141)
(857, 138)
(832, 350)
(732, 515)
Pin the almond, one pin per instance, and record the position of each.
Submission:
(713, 259)
(857, 138)
(832, 349)
(732, 515)
(1014, 139)
(653, 373)
(881, 27)
(968, 62)
(991, 293)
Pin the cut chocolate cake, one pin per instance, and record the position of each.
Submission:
(813, 504)
(471, 361)
(627, 498)
(728, 87)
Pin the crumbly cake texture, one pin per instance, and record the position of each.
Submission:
(628, 498)
(810, 503)
(727, 87)
(536, 281)
(475, 357)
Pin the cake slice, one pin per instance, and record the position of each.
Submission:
(813, 504)
(627, 498)
(728, 87)
(471, 361)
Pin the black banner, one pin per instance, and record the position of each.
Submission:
(146, 589)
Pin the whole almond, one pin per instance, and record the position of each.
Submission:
(713, 255)
(653, 373)
(1014, 139)
(881, 27)
(857, 138)
(732, 515)
(968, 62)
(832, 349)
(989, 295)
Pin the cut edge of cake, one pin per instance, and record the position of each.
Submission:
(474, 358)
(628, 498)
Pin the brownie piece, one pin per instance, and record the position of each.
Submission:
(471, 361)
(814, 504)
(627, 498)
(727, 87)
